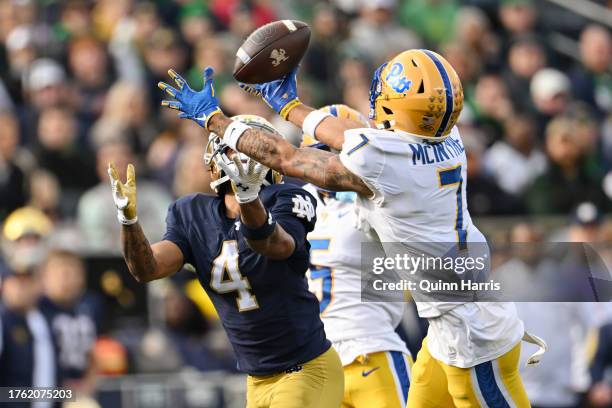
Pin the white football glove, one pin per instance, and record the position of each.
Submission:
(246, 180)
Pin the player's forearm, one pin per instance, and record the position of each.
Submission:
(267, 148)
(330, 131)
(279, 245)
(311, 165)
(137, 253)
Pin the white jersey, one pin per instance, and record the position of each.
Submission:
(420, 197)
(354, 327)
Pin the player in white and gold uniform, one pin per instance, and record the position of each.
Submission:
(376, 361)
(410, 175)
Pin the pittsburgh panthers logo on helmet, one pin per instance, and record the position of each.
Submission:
(417, 92)
(217, 151)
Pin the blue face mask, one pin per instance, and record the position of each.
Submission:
(346, 196)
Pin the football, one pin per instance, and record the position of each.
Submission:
(271, 51)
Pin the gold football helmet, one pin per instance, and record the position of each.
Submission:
(216, 150)
(417, 92)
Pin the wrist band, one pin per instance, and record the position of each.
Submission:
(312, 120)
(233, 133)
(284, 112)
(125, 221)
(261, 232)
(210, 115)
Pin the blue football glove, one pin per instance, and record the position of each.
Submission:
(198, 106)
(280, 95)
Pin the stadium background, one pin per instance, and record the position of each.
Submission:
(78, 88)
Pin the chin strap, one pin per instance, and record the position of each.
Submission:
(386, 124)
(535, 358)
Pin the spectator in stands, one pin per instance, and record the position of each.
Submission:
(490, 106)
(592, 81)
(94, 212)
(322, 59)
(518, 17)
(433, 20)
(210, 52)
(126, 115)
(44, 87)
(585, 225)
(376, 26)
(90, 69)
(26, 347)
(473, 28)
(162, 51)
(57, 151)
(12, 176)
(72, 316)
(566, 182)
(600, 394)
(45, 193)
(550, 95)
(517, 151)
(74, 21)
(485, 197)
(25, 233)
(21, 53)
(525, 57)
(465, 61)
(194, 24)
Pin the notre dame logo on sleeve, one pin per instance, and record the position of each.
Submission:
(303, 207)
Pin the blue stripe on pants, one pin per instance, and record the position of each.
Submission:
(402, 372)
(488, 386)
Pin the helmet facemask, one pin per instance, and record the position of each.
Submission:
(217, 151)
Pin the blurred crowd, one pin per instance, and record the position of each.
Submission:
(78, 88)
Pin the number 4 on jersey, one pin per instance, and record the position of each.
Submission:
(226, 277)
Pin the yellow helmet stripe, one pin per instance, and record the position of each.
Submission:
(448, 89)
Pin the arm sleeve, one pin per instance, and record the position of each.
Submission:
(360, 156)
(296, 211)
(177, 232)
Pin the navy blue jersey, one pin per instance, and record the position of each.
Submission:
(270, 317)
(74, 332)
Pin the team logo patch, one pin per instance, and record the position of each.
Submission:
(278, 56)
(398, 82)
(303, 207)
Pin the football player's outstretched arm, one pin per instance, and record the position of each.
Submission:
(145, 262)
(318, 167)
(315, 166)
(281, 95)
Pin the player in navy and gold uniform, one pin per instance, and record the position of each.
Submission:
(250, 252)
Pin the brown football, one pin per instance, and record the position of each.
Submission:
(271, 51)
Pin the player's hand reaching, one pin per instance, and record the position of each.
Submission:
(124, 195)
(246, 179)
(198, 106)
(280, 95)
